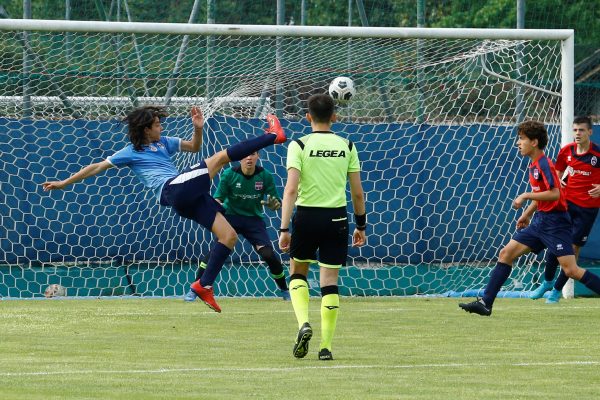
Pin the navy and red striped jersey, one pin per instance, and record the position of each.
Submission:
(584, 170)
(543, 177)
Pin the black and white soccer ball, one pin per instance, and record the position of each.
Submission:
(342, 89)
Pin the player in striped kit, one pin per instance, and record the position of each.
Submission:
(579, 165)
(549, 228)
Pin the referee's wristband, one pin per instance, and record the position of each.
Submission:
(281, 230)
(360, 221)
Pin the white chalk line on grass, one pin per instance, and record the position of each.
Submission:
(296, 369)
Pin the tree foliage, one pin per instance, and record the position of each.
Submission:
(551, 14)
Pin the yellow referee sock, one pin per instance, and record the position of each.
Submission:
(330, 305)
(299, 295)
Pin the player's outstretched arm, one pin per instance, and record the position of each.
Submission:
(85, 172)
(359, 236)
(195, 143)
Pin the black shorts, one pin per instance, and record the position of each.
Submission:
(189, 195)
(254, 229)
(583, 220)
(322, 230)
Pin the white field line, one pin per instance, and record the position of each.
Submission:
(296, 369)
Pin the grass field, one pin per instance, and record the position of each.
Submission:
(385, 348)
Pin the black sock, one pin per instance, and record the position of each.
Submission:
(243, 149)
(218, 255)
(561, 281)
(275, 266)
(499, 275)
(551, 267)
(591, 281)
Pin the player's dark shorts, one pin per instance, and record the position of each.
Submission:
(583, 219)
(189, 195)
(320, 229)
(254, 229)
(551, 230)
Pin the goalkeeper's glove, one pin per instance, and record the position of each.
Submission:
(272, 203)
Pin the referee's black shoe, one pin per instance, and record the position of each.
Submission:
(477, 307)
(325, 354)
(304, 335)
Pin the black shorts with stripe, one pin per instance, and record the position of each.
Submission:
(320, 230)
(189, 195)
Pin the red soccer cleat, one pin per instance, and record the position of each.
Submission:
(275, 129)
(206, 295)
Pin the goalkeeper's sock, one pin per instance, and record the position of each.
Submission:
(499, 275)
(299, 295)
(330, 305)
(275, 266)
(218, 255)
(243, 149)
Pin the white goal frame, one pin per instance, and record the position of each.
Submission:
(565, 36)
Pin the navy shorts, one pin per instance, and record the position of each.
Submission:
(320, 229)
(548, 230)
(583, 220)
(254, 229)
(189, 195)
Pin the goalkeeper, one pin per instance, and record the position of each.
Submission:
(242, 190)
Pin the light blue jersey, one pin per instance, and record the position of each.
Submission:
(152, 165)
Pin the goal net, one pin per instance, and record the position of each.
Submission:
(433, 119)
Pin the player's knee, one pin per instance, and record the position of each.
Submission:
(505, 256)
(573, 271)
(229, 239)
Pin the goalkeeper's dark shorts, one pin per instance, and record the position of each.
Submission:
(322, 230)
(254, 229)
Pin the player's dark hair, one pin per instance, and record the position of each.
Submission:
(321, 107)
(138, 120)
(583, 120)
(535, 130)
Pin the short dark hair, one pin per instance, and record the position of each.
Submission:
(321, 107)
(583, 120)
(535, 130)
(139, 119)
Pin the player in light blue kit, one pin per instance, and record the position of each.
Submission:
(188, 192)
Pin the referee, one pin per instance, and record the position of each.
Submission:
(319, 166)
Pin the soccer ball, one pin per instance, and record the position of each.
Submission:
(342, 89)
(55, 290)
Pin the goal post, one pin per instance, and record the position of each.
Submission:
(433, 120)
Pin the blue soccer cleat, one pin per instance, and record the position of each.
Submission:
(190, 296)
(554, 297)
(285, 295)
(539, 292)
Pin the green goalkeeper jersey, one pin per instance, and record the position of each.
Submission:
(241, 194)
